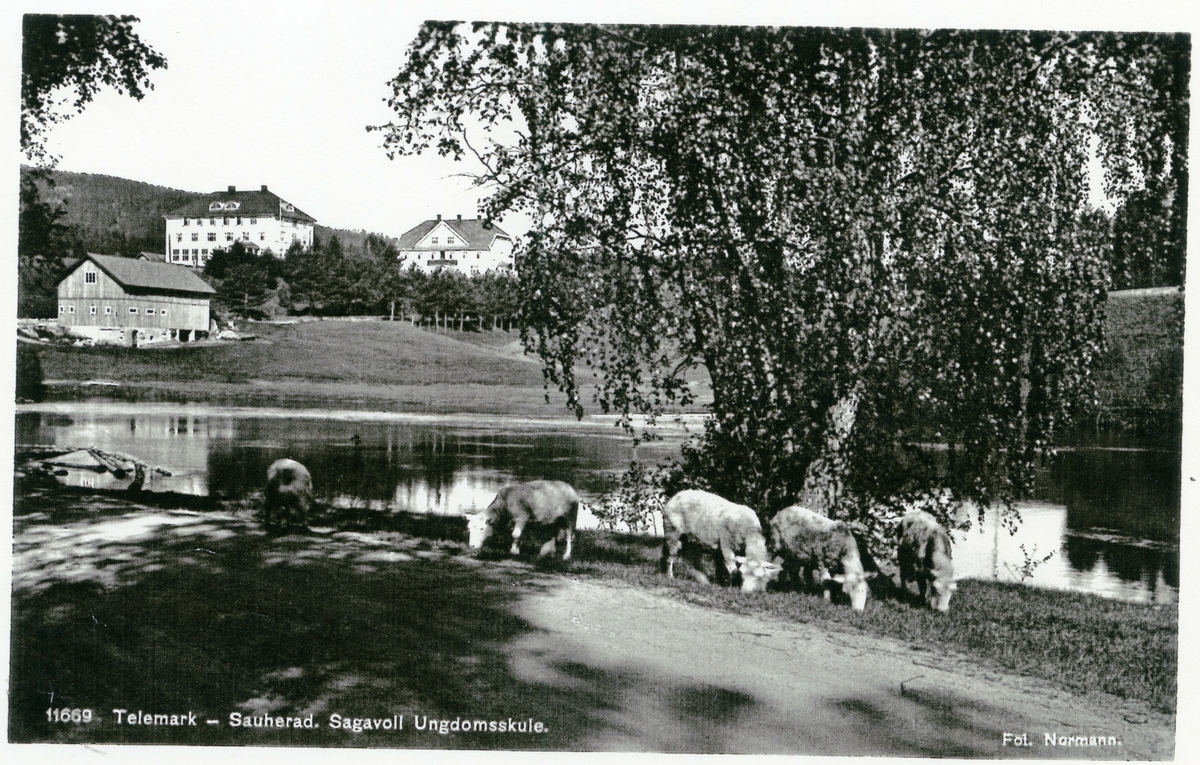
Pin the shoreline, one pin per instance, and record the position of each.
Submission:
(487, 420)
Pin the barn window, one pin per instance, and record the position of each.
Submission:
(133, 310)
(162, 312)
(93, 311)
(71, 309)
(61, 310)
(108, 310)
(149, 311)
(89, 277)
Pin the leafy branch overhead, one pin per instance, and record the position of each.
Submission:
(66, 60)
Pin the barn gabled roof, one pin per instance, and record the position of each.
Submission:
(472, 232)
(134, 274)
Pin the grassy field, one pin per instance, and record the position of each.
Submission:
(366, 353)
(1140, 378)
(327, 364)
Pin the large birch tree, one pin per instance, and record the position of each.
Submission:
(870, 239)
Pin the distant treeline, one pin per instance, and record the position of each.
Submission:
(335, 280)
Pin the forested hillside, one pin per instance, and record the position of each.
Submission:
(117, 216)
(112, 215)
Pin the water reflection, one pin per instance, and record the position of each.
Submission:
(1111, 517)
(1096, 561)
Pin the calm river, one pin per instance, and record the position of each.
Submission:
(1110, 516)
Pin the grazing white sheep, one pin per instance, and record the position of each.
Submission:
(536, 503)
(824, 550)
(925, 558)
(723, 528)
(288, 496)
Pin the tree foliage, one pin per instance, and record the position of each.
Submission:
(75, 56)
(43, 240)
(869, 238)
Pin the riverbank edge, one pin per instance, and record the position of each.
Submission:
(1078, 642)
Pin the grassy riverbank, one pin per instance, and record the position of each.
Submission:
(391, 366)
(1083, 643)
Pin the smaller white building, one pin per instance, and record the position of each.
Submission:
(469, 246)
(258, 219)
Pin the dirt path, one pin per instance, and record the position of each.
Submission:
(694, 679)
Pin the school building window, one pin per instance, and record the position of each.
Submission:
(89, 277)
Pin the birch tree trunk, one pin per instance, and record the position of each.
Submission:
(824, 480)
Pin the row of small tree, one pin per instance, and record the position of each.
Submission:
(332, 280)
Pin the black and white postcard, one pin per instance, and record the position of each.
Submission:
(448, 380)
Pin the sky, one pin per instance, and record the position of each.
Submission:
(263, 92)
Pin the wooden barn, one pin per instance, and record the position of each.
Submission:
(125, 301)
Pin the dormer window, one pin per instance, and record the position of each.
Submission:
(232, 205)
(216, 206)
(289, 208)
